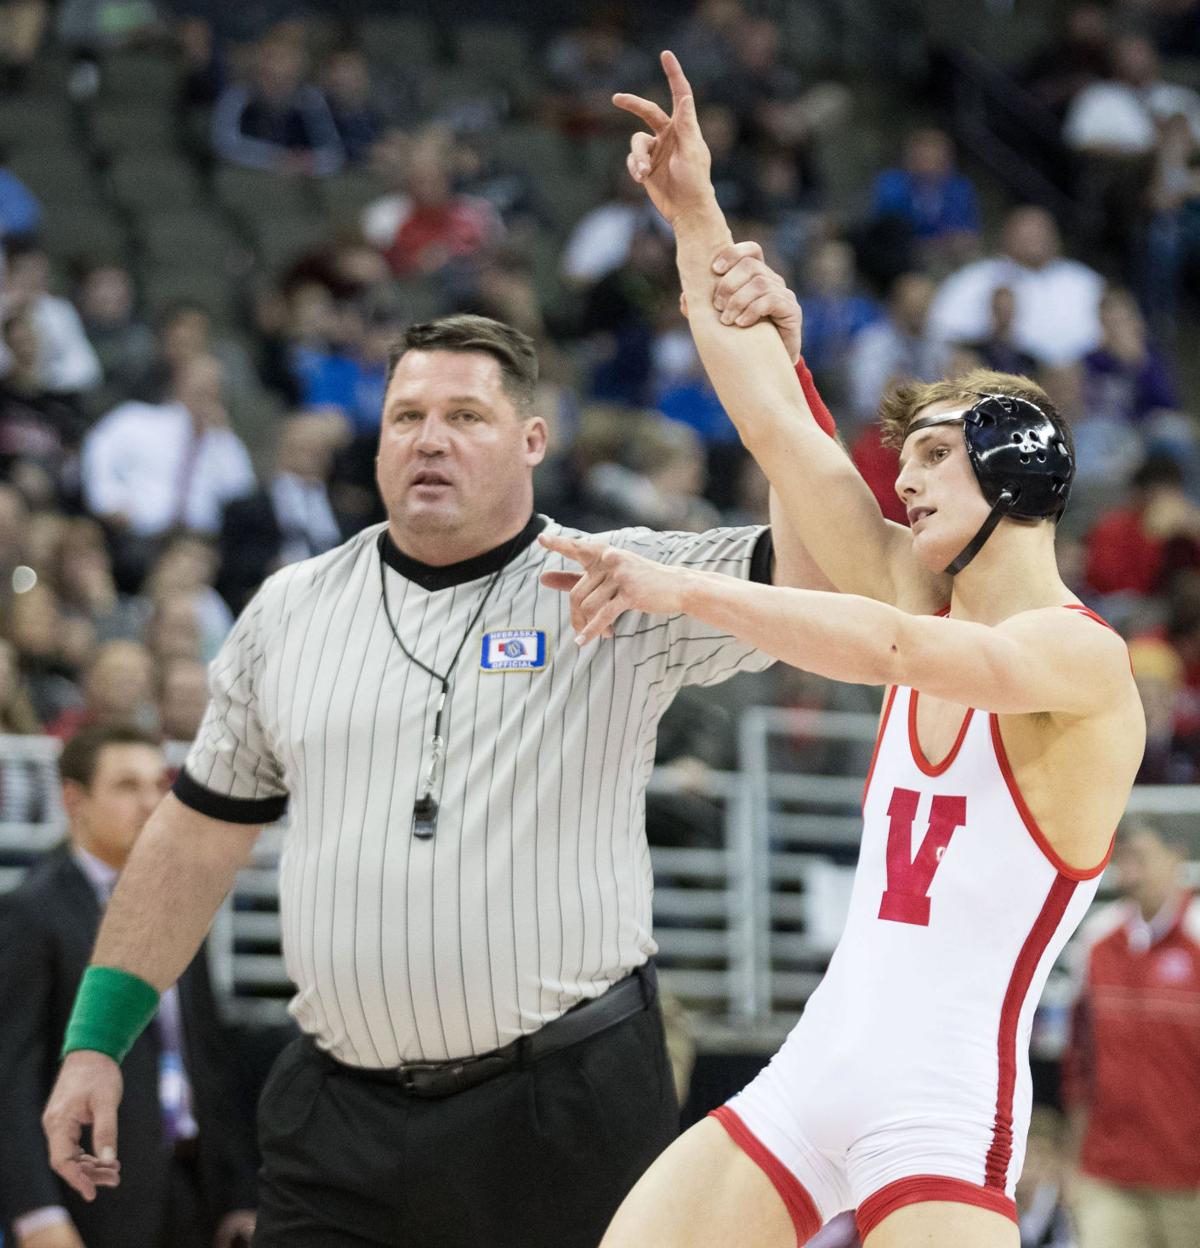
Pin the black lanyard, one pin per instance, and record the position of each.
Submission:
(425, 808)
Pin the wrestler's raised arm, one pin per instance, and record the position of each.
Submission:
(820, 491)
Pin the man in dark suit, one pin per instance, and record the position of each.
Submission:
(188, 1143)
(290, 518)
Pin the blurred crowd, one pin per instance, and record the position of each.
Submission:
(156, 462)
(158, 459)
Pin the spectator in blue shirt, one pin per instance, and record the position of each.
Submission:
(20, 211)
(936, 201)
(836, 310)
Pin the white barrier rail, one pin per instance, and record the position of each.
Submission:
(745, 929)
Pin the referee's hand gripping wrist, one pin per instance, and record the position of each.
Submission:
(86, 1093)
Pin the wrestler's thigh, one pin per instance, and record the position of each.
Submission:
(943, 1224)
(703, 1192)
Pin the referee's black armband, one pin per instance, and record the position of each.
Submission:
(228, 809)
(762, 559)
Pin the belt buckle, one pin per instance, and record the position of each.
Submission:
(418, 1076)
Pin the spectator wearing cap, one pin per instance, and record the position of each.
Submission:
(1132, 1069)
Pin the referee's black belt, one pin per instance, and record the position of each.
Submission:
(633, 994)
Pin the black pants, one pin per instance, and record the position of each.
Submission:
(539, 1156)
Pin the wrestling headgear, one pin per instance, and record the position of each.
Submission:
(1022, 460)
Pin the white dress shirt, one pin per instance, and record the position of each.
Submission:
(136, 464)
(1057, 306)
(1117, 117)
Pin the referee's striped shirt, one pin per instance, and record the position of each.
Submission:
(534, 893)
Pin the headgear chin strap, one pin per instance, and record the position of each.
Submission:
(972, 548)
(1021, 458)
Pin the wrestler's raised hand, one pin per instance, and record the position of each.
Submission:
(673, 161)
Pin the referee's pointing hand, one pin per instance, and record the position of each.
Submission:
(612, 581)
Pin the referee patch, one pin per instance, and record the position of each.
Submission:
(514, 650)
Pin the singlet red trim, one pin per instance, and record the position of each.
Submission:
(999, 1155)
(1078, 606)
(933, 769)
(883, 723)
(800, 1205)
(921, 1188)
(1031, 824)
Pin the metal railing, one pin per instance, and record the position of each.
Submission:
(745, 929)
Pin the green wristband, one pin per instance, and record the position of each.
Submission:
(112, 1008)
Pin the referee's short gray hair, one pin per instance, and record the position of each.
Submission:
(513, 350)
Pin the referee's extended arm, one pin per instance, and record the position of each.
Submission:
(177, 876)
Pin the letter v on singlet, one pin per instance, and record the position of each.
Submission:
(909, 875)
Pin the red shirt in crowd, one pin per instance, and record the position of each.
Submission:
(1133, 1059)
(433, 235)
(1121, 555)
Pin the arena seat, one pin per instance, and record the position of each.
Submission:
(125, 127)
(36, 121)
(396, 39)
(344, 196)
(144, 182)
(144, 75)
(212, 290)
(501, 52)
(58, 176)
(191, 237)
(252, 193)
(74, 230)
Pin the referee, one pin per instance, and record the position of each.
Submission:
(465, 884)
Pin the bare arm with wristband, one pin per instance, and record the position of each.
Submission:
(183, 865)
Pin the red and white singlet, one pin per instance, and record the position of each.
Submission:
(907, 1077)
